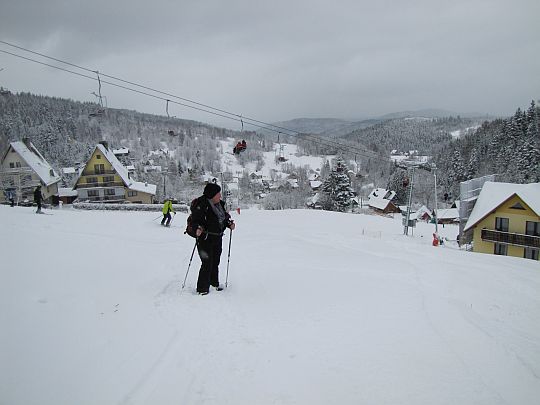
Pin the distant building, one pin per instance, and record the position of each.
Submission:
(67, 195)
(506, 220)
(380, 200)
(448, 216)
(105, 179)
(22, 169)
(121, 152)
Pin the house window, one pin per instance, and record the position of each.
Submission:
(529, 253)
(501, 249)
(501, 224)
(17, 164)
(108, 179)
(517, 206)
(91, 180)
(99, 169)
(532, 228)
(109, 191)
(132, 193)
(11, 165)
(93, 193)
(98, 156)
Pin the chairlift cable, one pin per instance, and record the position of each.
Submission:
(220, 112)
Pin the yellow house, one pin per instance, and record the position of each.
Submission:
(105, 179)
(506, 220)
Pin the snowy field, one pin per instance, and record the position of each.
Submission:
(321, 308)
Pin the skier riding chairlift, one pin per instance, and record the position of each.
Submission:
(240, 146)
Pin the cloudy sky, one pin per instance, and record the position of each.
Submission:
(278, 60)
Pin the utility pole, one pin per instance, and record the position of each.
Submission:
(434, 167)
(406, 228)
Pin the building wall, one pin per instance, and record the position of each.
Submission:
(92, 181)
(516, 224)
(140, 197)
(23, 179)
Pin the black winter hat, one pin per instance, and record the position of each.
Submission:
(211, 190)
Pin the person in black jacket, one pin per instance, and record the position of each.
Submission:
(210, 219)
(37, 198)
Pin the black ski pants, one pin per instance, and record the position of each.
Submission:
(210, 253)
(167, 217)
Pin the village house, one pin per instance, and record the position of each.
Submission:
(448, 216)
(105, 179)
(506, 220)
(22, 169)
(380, 201)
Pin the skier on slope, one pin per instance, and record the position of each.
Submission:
(210, 219)
(167, 209)
(37, 199)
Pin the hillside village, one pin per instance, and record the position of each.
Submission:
(129, 172)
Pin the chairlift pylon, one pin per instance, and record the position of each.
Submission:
(170, 131)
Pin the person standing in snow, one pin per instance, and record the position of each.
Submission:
(37, 199)
(167, 209)
(210, 219)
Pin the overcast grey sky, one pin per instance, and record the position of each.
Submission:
(278, 60)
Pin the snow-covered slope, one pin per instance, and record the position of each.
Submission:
(321, 308)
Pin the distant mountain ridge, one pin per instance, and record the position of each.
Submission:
(339, 127)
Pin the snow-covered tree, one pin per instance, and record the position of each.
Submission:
(337, 186)
(399, 182)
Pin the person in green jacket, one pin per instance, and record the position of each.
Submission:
(167, 209)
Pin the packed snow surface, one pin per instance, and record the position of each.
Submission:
(320, 308)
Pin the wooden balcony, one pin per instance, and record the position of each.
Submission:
(97, 173)
(101, 184)
(509, 238)
(107, 198)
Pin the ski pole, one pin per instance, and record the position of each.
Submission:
(187, 272)
(157, 217)
(228, 259)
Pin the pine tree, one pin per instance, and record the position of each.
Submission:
(398, 182)
(337, 187)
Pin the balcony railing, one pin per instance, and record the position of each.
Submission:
(508, 238)
(107, 198)
(97, 172)
(101, 184)
(16, 170)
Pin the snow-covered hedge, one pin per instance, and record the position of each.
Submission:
(127, 207)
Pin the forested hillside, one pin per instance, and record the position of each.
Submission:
(427, 135)
(66, 132)
(508, 147)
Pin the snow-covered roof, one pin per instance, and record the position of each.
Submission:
(66, 192)
(382, 193)
(123, 172)
(69, 170)
(113, 160)
(448, 213)
(143, 187)
(421, 211)
(36, 161)
(379, 203)
(121, 151)
(315, 183)
(494, 194)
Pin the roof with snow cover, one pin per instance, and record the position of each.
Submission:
(36, 161)
(494, 194)
(123, 173)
